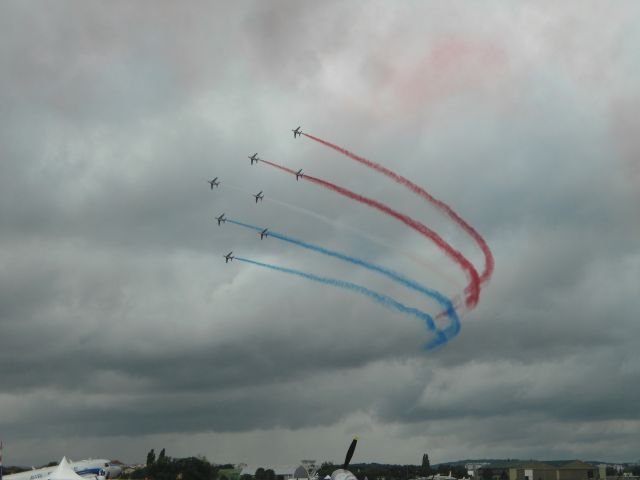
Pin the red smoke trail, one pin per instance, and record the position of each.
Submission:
(473, 289)
(488, 256)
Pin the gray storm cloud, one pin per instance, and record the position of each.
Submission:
(121, 327)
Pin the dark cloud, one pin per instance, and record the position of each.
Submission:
(122, 328)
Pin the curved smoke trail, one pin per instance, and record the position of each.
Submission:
(473, 289)
(454, 327)
(378, 297)
(356, 231)
(417, 189)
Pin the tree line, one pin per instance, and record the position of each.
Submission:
(198, 468)
(166, 468)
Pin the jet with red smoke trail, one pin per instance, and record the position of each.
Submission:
(254, 158)
(472, 289)
(488, 256)
(297, 132)
(298, 174)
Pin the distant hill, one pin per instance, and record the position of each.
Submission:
(509, 460)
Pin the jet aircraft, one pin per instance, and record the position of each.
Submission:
(254, 158)
(298, 174)
(221, 219)
(297, 131)
(258, 196)
(264, 233)
(228, 257)
(214, 183)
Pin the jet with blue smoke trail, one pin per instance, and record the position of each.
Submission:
(380, 298)
(451, 330)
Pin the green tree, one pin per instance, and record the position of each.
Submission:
(260, 474)
(193, 468)
(162, 457)
(190, 468)
(151, 457)
(426, 465)
(269, 474)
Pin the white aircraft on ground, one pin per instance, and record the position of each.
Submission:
(91, 469)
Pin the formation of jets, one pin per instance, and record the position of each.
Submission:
(265, 233)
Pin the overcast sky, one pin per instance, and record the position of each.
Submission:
(121, 327)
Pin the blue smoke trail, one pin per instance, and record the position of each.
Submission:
(452, 330)
(360, 233)
(378, 297)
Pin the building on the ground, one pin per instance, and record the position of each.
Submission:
(535, 470)
(472, 468)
